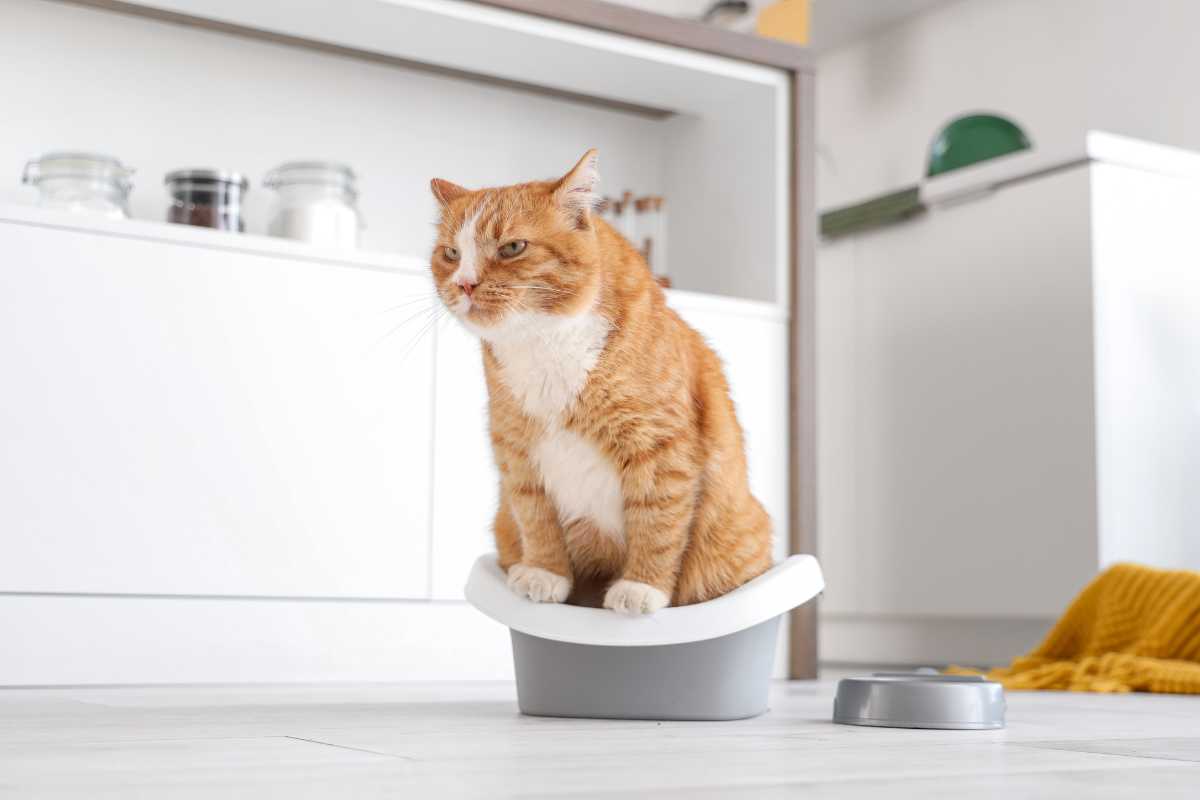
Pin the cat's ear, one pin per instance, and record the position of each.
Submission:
(576, 191)
(445, 191)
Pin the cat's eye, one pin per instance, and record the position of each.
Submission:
(513, 248)
(450, 253)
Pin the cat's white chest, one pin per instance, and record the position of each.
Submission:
(544, 361)
(581, 481)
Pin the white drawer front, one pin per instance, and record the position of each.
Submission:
(179, 419)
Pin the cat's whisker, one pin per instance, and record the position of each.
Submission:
(432, 311)
(429, 326)
(411, 314)
(421, 312)
(551, 289)
(416, 333)
(519, 306)
(427, 297)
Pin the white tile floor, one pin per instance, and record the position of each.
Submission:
(467, 740)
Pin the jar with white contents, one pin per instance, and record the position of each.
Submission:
(315, 203)
(84, 183)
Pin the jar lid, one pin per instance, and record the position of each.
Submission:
(207, 177)
(320, 173)
(88, 166)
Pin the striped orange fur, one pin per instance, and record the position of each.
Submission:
(622, 465)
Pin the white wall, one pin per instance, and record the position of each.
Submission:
(1058, 67)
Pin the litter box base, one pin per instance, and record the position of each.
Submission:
(702, 661)
(715, 679)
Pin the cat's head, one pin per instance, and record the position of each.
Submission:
(524, 249)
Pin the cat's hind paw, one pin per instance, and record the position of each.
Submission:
(537, 584)
(635, 598)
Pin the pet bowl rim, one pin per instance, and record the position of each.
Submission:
(950, 702)
(789, 584)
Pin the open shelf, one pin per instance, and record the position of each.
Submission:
(405, 90)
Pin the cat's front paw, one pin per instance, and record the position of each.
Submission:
(635, 598)
(537, 584)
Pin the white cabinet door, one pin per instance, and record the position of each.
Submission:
(754, 351)
(465, 480)
(1147, 298)
(957, 462)
(180, 419)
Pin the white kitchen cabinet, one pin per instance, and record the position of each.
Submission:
(751, 341)
(1008, 391)
(86, 639)
(182, 417)
(247, 426)
(465, 482)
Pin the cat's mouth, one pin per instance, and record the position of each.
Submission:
(474, 311)
(484, 306)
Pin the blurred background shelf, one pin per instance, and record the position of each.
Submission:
(406, 90)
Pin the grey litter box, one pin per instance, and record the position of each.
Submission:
(920, 700)
(709, 661)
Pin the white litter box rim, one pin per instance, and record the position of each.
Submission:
(785, 586)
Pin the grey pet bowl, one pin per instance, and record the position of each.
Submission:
(920, 700)
(709, 661)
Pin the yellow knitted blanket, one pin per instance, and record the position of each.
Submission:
(1132, 629)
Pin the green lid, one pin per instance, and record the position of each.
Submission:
(974, 138)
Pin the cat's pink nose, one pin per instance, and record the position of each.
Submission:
(467, 286)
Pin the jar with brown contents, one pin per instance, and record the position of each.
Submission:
(207, 198)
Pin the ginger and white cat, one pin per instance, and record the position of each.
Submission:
(622, 466)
